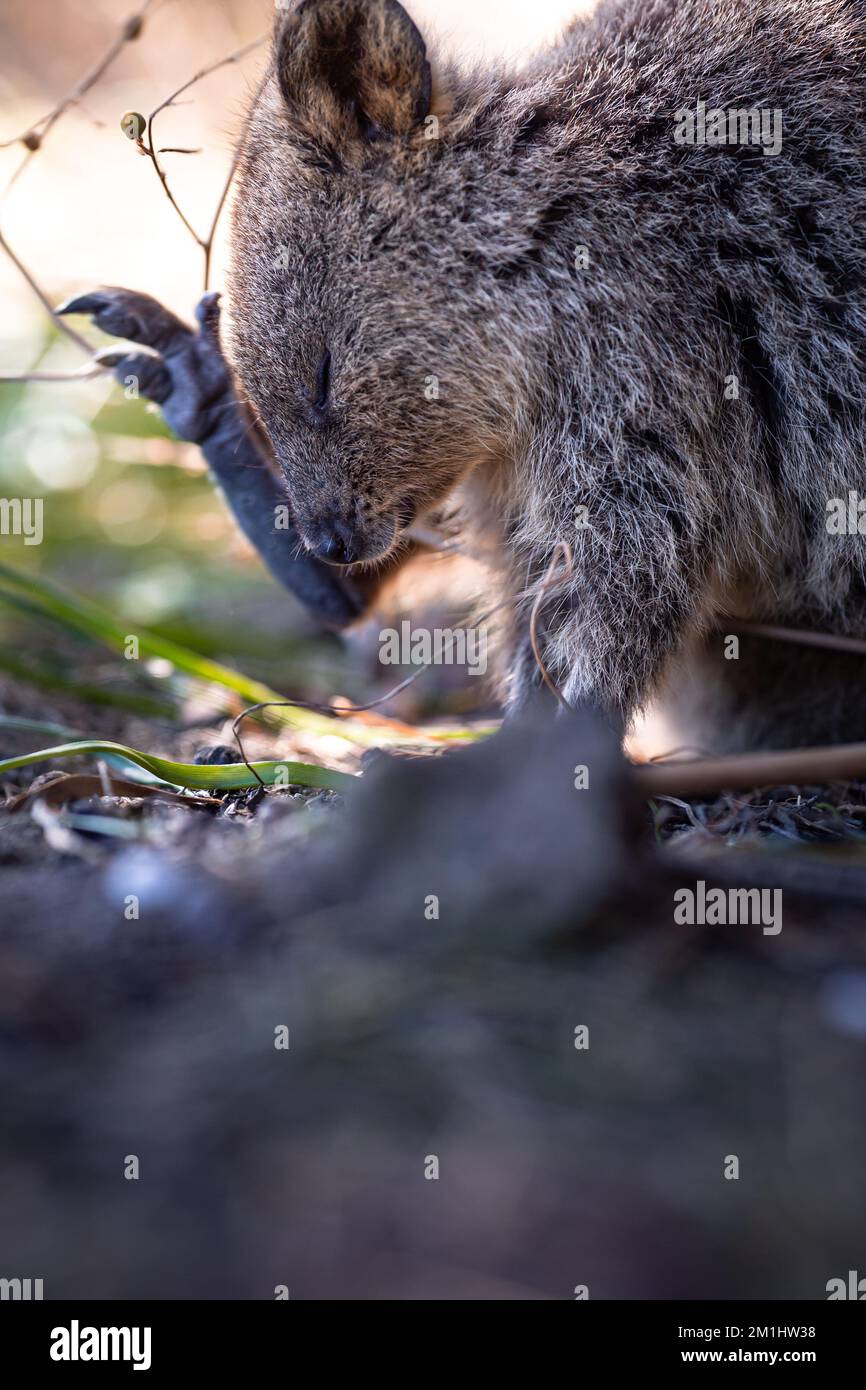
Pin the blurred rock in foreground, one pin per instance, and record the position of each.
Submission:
(480, 974)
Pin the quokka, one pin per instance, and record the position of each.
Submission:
(538, 303)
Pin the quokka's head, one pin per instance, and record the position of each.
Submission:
(364, 327)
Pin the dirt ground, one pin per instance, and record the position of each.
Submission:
(509, 1072)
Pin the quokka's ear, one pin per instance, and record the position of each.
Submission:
(352, 69)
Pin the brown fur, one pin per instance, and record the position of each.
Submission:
(407, 258)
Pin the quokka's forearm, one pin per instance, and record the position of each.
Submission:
(240, 465)
(184, 372)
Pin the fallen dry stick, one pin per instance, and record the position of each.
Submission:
(747, 771)
(59, 788)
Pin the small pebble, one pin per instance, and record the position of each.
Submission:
(217, 754)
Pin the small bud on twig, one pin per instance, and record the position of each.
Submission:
(133, 125)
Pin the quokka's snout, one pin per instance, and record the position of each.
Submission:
(348, 539)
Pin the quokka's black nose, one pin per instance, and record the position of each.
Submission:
(336, 544)
(332, 548)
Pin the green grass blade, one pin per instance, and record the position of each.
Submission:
(45, 679)
(222, 777)
(84, 616)
(67, 735)
(39, 726)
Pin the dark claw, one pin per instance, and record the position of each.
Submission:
(152, 376)
(82, 304)
(110, 357)
(128, 314)
(207, 313)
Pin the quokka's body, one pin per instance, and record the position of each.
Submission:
(569, 303)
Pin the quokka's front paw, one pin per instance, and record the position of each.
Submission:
(183, 371)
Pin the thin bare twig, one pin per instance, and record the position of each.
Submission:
(149, 149)
(747, 771)
(347, 711)
(43, 298)
(338, 711)
(803, 637)
(33, 137)
(86, 373)
(233, 168)
(552, 579)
